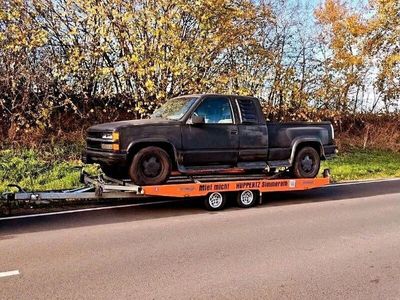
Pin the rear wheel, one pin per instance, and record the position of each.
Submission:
(151, 165)
(247, 198)
(306, 163)
(215, 201)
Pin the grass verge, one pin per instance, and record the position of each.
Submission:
(35, 170)
(56, 167)
(364, 164)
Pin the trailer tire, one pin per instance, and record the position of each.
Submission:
(247, 198)
(306, 163)
(215, 201)
(150, 166)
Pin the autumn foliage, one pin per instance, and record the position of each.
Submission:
(65, 64)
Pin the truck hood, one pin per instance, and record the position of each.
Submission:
(105, 127)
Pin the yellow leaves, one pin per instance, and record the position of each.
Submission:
(149, 85)
(74, 31)
(38, 39)
(355, 26)
(102, 30)
(345, 32)
(133, 58)
(394, 59)
(151, 50)
(358, 41)
(330, 12)
(140, 72)
(243, 91)
(105, 71)
(126, 17)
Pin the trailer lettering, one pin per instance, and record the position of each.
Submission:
(248, 185)
(267, 184)
(221, 187)
(205, 187)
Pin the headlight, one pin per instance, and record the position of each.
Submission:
(110, 137)
(114, 136)
(107, 136)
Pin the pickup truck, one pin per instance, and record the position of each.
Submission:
(207, 134)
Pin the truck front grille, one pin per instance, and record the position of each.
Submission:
(93, 144)
(94, 140)
(95, 134)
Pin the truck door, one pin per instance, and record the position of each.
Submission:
(216, 141)
(253, 132)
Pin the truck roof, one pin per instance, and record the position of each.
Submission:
(212, 94)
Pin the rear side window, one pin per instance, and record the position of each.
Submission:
(248, 111)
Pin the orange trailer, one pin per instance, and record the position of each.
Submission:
(248, 191)
(214, 189)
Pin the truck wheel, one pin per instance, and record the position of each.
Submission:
(150, 166)
(246, 198)
(306, 163)
(215, 201)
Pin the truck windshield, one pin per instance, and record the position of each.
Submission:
(174, 109)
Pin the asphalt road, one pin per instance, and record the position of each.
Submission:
(334, 242)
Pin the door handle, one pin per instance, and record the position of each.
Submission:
(234, 131)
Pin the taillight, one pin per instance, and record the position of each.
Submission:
(333, 132)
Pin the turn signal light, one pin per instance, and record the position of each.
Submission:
(115, 136)
(115, 147)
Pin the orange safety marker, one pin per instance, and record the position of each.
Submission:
(263, 185)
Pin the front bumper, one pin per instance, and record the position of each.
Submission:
(103, 157)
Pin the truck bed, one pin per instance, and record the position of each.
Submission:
(282, 137)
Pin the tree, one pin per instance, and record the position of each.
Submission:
(383, 44)
(23, 69)
(344, 63)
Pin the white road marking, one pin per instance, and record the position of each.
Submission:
(9, 273)
(86, 210)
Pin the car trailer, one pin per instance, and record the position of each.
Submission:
(212, 188)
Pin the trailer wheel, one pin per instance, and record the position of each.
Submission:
(247, 198)
(215, 201)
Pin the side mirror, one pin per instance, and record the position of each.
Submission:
(197, 120)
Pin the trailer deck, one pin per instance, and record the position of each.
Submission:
(213, 188)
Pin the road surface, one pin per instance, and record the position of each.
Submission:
(334, 242)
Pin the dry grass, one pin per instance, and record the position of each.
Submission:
(384, 136)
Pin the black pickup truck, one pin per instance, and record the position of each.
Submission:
(206, 134)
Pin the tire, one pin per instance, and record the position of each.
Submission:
(247, 198)
(215, 201)
(150, 166)
(306, 163)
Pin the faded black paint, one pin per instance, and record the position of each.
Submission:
(205, 145)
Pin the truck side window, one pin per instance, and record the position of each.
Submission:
(248, 111)
(215, 111)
